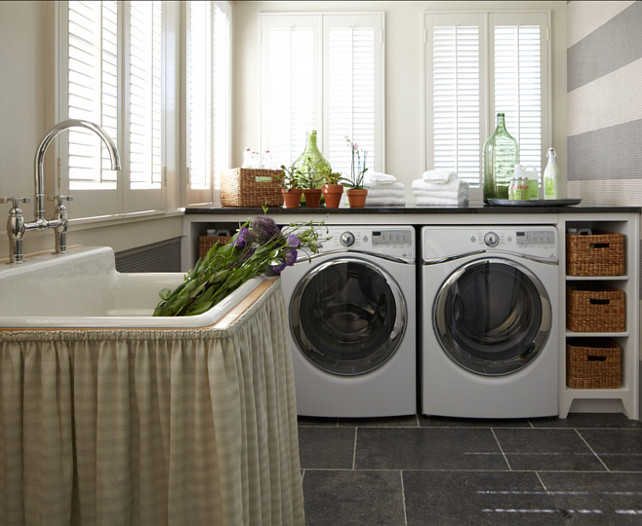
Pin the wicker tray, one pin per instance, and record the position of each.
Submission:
(595, 364)
(600, 254)
(593, 307)
(250, 187)
(206, 242)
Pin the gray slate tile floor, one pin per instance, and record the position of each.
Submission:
(419, 471)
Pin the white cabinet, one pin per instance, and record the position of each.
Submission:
(625, 398)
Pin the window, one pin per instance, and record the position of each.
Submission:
(322, 72)
(112, 74)
(479, 64)
(208, 77)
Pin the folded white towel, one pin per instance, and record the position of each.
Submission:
(386, 187)
(420, 184)
(385, 201)
(384, 192)
(439, 176)
(379, 177)
(447, 192)
(439, 201)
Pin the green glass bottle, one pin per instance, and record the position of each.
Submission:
(311, 158)
(499, 157)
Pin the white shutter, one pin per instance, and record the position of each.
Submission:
(290, 81)
(221, 127)
(145, 84)
(353, 85)
(92, 54)
(455, 94)
(518, 51)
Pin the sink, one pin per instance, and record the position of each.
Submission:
(83, 289)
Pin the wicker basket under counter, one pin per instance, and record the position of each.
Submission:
(207, 242)
(593, 364)
(251, 187)
(595, 307)
(598, 254)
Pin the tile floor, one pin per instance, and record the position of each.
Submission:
(418, 470)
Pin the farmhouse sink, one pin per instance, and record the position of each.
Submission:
(83, 289)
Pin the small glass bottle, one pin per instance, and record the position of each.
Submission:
(551, 177)
(499, 157)
(247, 158)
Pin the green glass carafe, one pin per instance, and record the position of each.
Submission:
(499, 157)
(312, 159)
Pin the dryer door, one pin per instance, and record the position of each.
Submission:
(348, 316)
(492, 316)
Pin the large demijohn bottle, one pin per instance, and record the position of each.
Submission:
(312, 158)
(499, 157)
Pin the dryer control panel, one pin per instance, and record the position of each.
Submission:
(392, 241)
(533, 241)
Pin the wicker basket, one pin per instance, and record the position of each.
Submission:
(594, 364)
(206, 242)
(592, 307)
(250, 187)
(600, 254)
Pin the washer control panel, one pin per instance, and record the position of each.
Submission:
(393, 241)
(527, 240)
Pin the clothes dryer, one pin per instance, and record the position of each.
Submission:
(352, 312)
(490, 309)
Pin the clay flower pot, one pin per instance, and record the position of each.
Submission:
(332, 194)
(292, 197)
(357, 198)
(312, 197)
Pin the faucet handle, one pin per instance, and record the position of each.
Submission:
(14, 200)
(60, 198)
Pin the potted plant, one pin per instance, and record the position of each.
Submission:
(332, 189)
(356, 192)
(310, 181)
(290, 187)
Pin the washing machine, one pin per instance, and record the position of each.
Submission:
(352, 314)
(490, 311)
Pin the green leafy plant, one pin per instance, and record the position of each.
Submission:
(333, 178)
(289, 178)
(313, 176)
(357, 167)
(259, 246)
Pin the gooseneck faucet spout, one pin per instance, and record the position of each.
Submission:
(16, 226)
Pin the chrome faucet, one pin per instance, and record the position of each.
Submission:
(16, 226)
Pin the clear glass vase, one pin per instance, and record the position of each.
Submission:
(499, 157)
(312, 159)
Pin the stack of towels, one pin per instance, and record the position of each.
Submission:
(440, 188)
(384, 190)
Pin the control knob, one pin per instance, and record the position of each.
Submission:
(491, 239)
(347, 239)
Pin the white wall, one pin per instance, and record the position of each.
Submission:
(404, 72)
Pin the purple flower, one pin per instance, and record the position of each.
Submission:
(294, 241)
(264, 228)
(243, 238)
(290, 258)
(278, 268)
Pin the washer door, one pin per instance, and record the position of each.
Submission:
(492, 316)
(348, 316)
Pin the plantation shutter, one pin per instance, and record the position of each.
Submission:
(353, 80)
(222, 89)
(456, 94)
(519, 45)
(290, 84)
(92, 54)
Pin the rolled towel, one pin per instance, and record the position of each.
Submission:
(420, 184)
(379, 178)
(384, 192)
(439, 176)
(385, 201)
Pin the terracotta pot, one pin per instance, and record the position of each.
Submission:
(357, 198)
(312, 197)
(332, 194)
(292, 197)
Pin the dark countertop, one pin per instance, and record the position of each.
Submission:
(428, 210)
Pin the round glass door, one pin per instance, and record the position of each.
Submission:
(347, 316)
(492, 316)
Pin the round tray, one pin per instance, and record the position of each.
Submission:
(534, 202)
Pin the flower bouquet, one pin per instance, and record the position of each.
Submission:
(259, 246)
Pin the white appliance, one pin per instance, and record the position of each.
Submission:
(352, 312)
(490, 321)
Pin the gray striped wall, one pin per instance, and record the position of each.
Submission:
(604, 85)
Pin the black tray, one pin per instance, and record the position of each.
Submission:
(534, 202)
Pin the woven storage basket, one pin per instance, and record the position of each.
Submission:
(206, 242)
(600, 254)
(594, 364)
(592, 307)
(251, 187)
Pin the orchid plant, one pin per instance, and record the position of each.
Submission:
(259, 246)
(357, 167)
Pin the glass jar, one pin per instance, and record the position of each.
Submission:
(499, 157)
(312, 159)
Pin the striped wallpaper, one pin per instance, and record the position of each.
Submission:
(604, 101)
